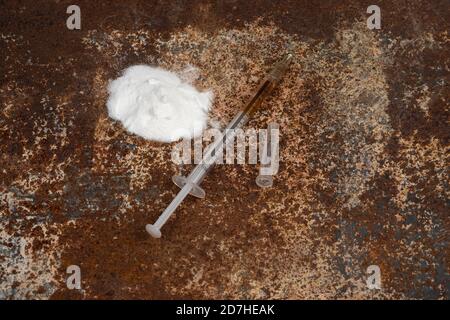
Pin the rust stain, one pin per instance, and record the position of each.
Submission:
(363, 176)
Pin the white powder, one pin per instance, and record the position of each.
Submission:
(157, 105)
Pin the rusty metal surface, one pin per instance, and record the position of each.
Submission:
(363, 176)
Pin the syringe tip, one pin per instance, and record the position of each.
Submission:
(281, 67)
(288, 58)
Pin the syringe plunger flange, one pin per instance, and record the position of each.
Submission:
(154, 231)
(196, 190)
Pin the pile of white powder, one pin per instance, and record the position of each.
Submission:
(157, 105)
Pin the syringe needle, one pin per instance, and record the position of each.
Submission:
(190, 184)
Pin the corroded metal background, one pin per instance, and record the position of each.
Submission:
(364, 136)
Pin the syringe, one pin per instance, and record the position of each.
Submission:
(191, 183)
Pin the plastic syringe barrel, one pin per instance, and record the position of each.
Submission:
(216, 148)
(213, 151)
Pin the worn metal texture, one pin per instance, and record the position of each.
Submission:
(364, 144)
